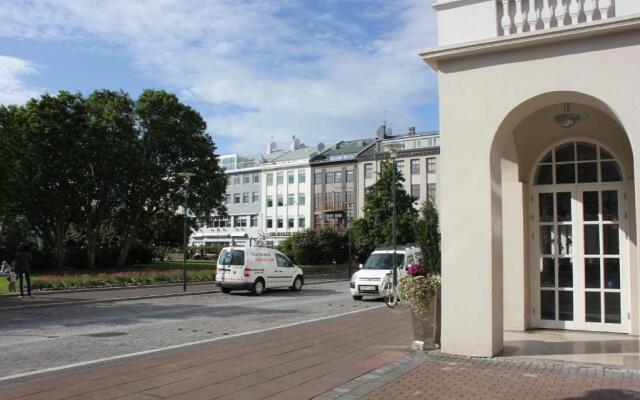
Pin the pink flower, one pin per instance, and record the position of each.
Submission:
(416, 269)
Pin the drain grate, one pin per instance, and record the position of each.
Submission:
(106, 334)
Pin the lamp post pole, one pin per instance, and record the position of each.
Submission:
(348, 220)
(393, 191)
(187, 177)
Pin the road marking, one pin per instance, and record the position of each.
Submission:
(177, 346)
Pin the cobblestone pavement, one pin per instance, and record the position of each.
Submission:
(297, 362)
(437, 376)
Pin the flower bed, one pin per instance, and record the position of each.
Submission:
(116, 279)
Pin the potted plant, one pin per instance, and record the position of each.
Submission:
(421, 292)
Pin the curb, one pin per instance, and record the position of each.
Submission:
(117, 299)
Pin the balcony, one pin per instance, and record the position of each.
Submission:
(463, 21)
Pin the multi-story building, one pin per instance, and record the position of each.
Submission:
(243, 221)
(286, 192)
(335, 181)
(539, 113)
(416, 159)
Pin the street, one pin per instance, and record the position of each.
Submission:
(280, 345)
(46, 337)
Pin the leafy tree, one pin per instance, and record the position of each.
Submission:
(316, 246)
(172, 139)
(376, 226)
(428, 236)
(40, 170)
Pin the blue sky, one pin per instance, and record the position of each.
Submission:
(256, 70)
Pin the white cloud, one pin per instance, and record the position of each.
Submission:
(12, 89)
(264, 68)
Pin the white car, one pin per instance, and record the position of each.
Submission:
(367, 281)
(256, 269)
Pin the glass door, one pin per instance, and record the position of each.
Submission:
(604, 275)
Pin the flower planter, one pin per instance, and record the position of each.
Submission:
(426, 326)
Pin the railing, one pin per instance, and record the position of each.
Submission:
(517, 16)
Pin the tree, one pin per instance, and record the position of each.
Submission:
(172, 139)
(316, 246)
(40, 170)
(428, 236)
(376, 226)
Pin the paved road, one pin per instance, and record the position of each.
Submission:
(46, 337)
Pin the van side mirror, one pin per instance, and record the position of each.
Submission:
(360, 266)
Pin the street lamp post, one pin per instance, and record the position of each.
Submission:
(393, 149)
(348, 223)
(187, 177)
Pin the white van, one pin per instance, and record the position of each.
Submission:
(256, 269)
(367, 281)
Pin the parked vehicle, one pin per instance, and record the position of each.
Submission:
(368, 280)
(256, 269)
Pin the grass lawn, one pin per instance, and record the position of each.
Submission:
(4, 285)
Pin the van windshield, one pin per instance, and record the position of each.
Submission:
(383, 261)
(231, 257)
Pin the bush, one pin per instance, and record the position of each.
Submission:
(316, 246)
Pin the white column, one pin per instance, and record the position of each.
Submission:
(518, 18)
(589, 7)
(546, 13)
(604, 6)
(506, 18)
(532, 15)
(560, 12)
(574, 11)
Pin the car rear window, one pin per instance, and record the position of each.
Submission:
(232, 257)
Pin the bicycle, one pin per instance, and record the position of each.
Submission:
(391, 294)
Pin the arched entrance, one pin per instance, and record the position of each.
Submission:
(579, 276)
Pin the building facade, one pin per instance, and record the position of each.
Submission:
(539, 224)
(286, 189)
(417, 160)
(335, 181)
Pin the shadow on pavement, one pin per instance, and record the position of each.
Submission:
(612, 394)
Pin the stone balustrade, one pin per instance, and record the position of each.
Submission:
(517, 16)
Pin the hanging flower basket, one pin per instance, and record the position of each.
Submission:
(421, 292)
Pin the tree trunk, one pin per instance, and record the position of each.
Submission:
(92, 240)
(126, 246)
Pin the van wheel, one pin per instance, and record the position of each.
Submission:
(225, 290)
(357, 297)
(258, 287)
(297, 285)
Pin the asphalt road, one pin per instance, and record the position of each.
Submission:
(48, 337)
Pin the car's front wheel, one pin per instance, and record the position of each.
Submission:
(357, 297)
(297, 284)
(225, 290)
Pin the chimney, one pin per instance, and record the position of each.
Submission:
(295, 143)
(412, 131)
(271, 147)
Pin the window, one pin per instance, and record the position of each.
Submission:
(269, 201)
(283, 262)
(338, 177)
(232, 257)
(302, 176)
(433, 141)
(239, 221)
(291, 200)
(368, 170)
(301, 199)
(236, 198)
(253, 222)
(415, 167)
(256, 178)
(290, 178)
(431, 191)
(415, 191)
(290, 223)
(227, 198)
(416, 144)
(301, 222)
(255, 197)
(349, 176)
(431, 165)
(399, 165)
(269, 179)
(280, 178)
(350, 197)
(280, 200)
(269, 223)
(280, 223)
(236, 179)
(318, 178)
(245, 198)
(329, 177)
(246, 179)
(319, 201)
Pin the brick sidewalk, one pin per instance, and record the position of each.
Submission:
(297, 362)
(435, 376)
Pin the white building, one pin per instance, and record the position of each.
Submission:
(540, 118)
(287, 191)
